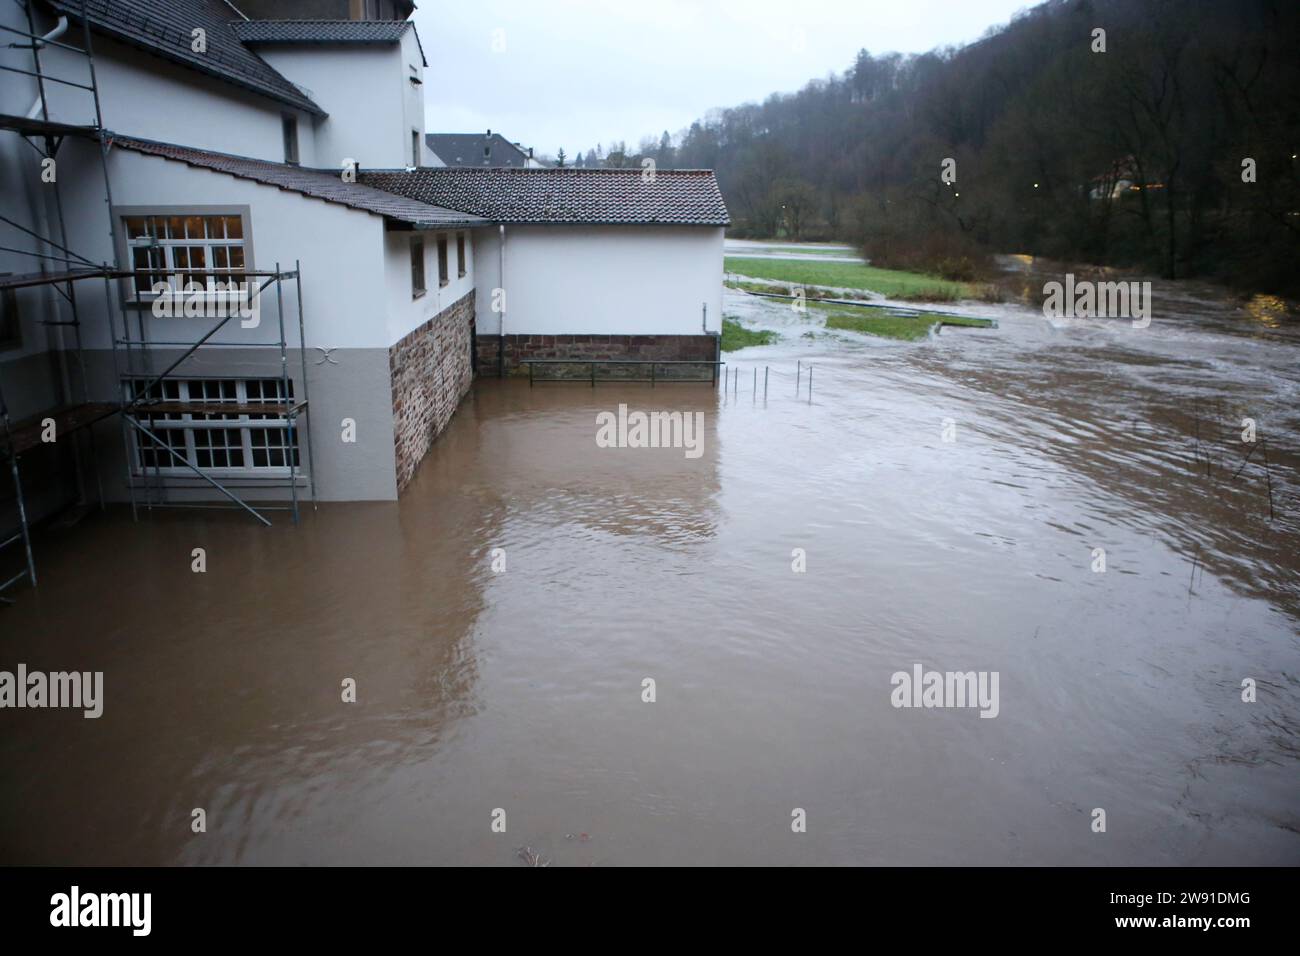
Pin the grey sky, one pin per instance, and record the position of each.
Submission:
(576, 72)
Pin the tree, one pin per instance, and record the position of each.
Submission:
(665, 157)
(559, 158)
(798, 200)
(1045, 133)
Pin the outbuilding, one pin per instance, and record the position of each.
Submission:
(586, 263)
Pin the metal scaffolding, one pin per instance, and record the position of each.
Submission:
(138, 408)
(145, 402)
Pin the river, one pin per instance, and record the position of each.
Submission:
(949, 497)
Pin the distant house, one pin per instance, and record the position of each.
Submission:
(479, 149)
(1121, 179)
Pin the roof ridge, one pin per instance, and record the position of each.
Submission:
(115, 137)
(563, 195)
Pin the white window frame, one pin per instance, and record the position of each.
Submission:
(165, 246)
(187, 423)
(419, 288)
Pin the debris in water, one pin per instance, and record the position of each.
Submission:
(531, 857)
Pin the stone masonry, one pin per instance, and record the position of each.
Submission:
(663, 348)
(430, 370)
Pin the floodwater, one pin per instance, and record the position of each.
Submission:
(521, 689)
(817, 251)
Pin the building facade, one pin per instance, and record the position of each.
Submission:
(291, 156)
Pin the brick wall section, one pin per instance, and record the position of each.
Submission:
(645, 347)
(430, 373)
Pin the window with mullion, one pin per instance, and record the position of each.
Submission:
(185, 249)
(210, 439)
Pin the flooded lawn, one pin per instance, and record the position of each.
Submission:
(521, 689)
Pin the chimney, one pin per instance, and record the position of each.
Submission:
(530, 152)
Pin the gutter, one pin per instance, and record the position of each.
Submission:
(60, 28)
(501, 339)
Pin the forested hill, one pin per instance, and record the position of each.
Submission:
(1129, 156)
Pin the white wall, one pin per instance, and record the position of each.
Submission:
(639, 280)
(413, 94)
(148, 97)
(406, 313)
(344, 305)
(367, 95)
(341, 249)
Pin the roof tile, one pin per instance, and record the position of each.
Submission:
(466, 149)
(316, 183)
(165, 27)
(361, 32)
(564, 195)
(320, 31)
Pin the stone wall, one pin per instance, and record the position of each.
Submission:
(430, 371)
(584, 347)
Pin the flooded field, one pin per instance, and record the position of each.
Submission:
(949, 497)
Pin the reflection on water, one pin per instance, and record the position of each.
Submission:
(521, 688)
(1268, 309)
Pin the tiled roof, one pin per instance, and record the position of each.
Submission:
(253, 32)
(320, 31)
(316, 183)
(165, 27)
(466, 149)
(596, 196)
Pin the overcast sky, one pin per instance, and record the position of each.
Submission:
(572, 73)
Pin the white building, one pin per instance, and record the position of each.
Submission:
(295, 149)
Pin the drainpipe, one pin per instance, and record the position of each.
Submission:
(60, 28)
(501, 339)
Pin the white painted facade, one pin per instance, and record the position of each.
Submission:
(356, 289)
(376, 112)
(607, 280)
(407, 311)
(150, 98)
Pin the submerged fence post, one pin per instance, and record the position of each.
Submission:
(810, 371)
(755, 393)
(765, 371)
(798, 376)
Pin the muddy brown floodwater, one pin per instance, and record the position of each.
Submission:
(522, 690)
